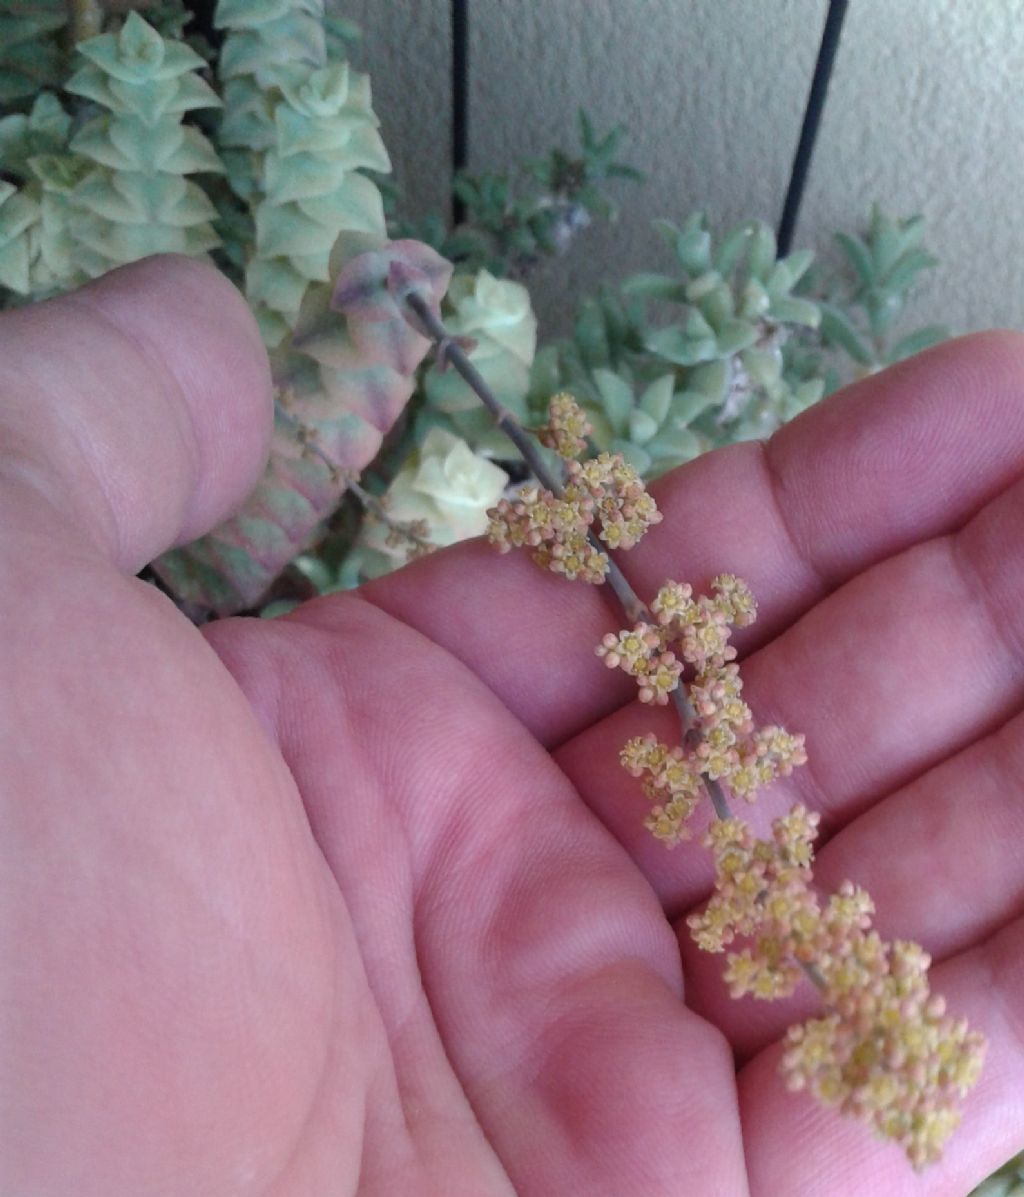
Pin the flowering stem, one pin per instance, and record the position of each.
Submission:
(450, 351)
(630, 601)
(371, 504)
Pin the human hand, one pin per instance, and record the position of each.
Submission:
(359, 899)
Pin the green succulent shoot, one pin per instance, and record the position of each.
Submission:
(660, 390)
(138, 199)
(884, 267)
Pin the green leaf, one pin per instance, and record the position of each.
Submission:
(654, 286)
(735, 335)
(673, 345)
(754, 301)
(762, 251)
(668, 230)
(616, 399)
(836, 329)
(657, 398)
(808, 392)
(901, 277)
(915, 342)
(731, 249)
(697, 327)
(672, 447)
(689, 405)
(798, 263)
(620, 170)
(791, 310)
(780, 280)
(883, 308)
(642, 426)
(858, 255)
(711, 380)
(762, 365)
(590, 336)
(694, 251)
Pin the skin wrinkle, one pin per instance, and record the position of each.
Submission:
(159, 373)
(407, 1020)
(979, 595)
(542, 1047)
(775, 485)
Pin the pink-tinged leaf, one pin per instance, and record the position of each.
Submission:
(343, 387)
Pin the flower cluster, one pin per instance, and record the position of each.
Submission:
(723, 743)
(885, 1051)
(671, 783)
(641, 654)
(567, 428)
(604, 490)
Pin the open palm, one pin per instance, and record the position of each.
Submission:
(359, 900)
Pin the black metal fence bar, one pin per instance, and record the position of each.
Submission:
(460, 96)
(812, 119)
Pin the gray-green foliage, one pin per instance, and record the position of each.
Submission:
(674, 364)
(513, 219)
(299, 133)
(861, 312)
(31, 55)
(37, 248)
(1007, 1181)
(265, 38)
(138, 198)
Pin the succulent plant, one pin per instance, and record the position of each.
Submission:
(495, 314)
(717, 373)
(30, 53)
(511, 222)
(300, 133)
(443, 491)
(265, 38)
(337, 400)
(860, 314)
(138, 199)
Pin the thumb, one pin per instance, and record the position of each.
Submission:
(135, 412)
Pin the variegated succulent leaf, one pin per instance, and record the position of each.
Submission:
(312, 190)
(341, 388)
(264, 38)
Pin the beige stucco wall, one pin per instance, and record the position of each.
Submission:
(925, 113)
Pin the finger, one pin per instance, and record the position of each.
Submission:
(798, 1147)
(901, 667)
(905, 455)
(956, 834)
(135, 412)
